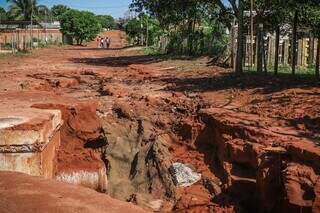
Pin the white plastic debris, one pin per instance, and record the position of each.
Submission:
(183, 175)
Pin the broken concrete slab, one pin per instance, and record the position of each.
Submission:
(49, 135)
(29, 139)
(183, 175)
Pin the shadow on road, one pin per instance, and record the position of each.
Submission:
(213, 82)
(121, 61)
(264, 84)
(96, 49)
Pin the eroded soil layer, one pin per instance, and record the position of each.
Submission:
(22, 193)
(254, 139)
(81, 137)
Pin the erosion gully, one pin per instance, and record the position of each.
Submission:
(151, 112)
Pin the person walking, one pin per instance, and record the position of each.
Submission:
(98, 42)
(101, 42)
(108, 42)
(105, 41)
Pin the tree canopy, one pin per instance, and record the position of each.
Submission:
(22, 9)
(3, 14)
(58, 10)
(80, 25)
(107, 21)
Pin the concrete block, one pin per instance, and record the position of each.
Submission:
(29, 139)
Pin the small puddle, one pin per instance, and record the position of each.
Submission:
(10, 122)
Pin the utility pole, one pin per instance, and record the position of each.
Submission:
(251, 33)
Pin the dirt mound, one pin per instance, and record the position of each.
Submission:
(23, 193)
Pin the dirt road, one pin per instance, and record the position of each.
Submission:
(160, 110)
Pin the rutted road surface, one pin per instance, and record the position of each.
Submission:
(254, 139)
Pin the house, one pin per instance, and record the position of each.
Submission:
(24, 35)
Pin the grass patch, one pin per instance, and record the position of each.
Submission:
(153, 51)
(286, 71)
(17, 54)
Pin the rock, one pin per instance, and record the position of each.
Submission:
(183, 175)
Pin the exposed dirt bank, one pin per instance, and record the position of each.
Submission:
(253, 139)
(82, 138)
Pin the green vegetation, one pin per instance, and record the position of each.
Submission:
(18, 54)
(3, 14)
(152, 50)
(144, 30)
(80, 25)
(192, 27)
(23, 10)
(107, 22)
(133, 31)
(58, 10)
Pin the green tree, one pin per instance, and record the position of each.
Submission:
(152, 30)
(133, 30)
(182, 20)
(3, 14)
(22, 9)
(58, 11)
(107, 21)
(43, 13)
(80, 25)
(144, 30)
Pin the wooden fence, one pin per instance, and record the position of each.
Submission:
(306, 51)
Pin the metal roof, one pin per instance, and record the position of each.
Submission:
(11, 25)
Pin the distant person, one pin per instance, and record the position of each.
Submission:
(98, 42)
(108, 42)
(105, 42)
(101, 42)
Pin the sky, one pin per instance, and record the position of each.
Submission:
(116, 8)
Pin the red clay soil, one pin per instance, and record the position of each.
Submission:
(254, 139)
(23, 193)
(81, 130)
(81, 127)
